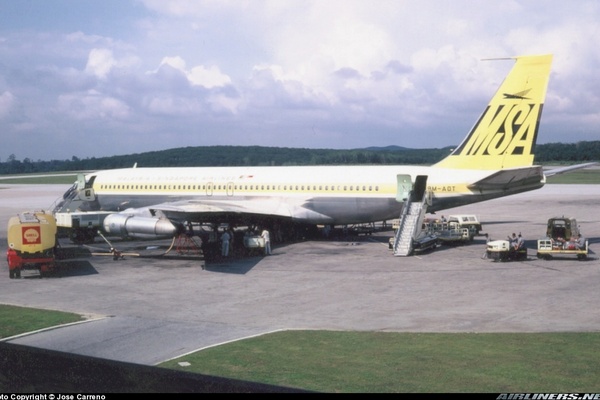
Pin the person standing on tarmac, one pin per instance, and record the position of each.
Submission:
(225, 237)
(267, 237)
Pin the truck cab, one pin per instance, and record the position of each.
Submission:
(561, 239)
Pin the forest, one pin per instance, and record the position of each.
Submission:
(203, 156)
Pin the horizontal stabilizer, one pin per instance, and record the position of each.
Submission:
(562, 170)
(511, 179)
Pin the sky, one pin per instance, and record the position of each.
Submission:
(96, 78)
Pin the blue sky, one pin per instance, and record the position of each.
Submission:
(99, 78)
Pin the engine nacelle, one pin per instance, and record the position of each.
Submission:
(140, 227)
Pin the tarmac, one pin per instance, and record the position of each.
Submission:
(147, 309)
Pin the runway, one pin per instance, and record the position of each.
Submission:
(148, 310)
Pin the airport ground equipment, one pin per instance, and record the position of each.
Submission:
(81, 226)
(561, 240)
(254, 244)
(502, 250)
(456, 229)
(410, 236)
(31, 243)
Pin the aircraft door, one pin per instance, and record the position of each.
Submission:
(230, 188)
(419, 187)
(85, 189)
(404, 187)
(210, 187)
(80, 181)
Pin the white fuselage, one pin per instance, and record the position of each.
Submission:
(313, 194)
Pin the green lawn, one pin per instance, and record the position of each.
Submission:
(583, 176)
(333, 361)
(16, 320)
(329, 361)
(40, 180)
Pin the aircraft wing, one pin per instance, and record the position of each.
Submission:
(210, 208)
(562, 170)
(215, 210)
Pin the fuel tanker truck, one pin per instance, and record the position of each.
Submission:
(31, 243)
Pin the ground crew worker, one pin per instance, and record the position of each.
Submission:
(267, 237)
(513, 241)
(516, 243)
(225, 244)
(580, 244)
(520, 242)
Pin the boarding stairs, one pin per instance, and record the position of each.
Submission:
(411, 219)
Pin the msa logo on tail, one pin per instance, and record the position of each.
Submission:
(505, 130)
(505, 135)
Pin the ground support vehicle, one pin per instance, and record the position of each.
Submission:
(425, 242)
(456, 229)
(502, 250)
(562, 240)
(81, 227)
(31, 243)
(254, 244)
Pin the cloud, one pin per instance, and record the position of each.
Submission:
(7, 101)
(208, 77)
(100, 62)
(303, 73)
(92, 105)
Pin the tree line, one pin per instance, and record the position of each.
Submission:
(204, 156)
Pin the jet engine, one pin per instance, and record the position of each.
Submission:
(128, 225)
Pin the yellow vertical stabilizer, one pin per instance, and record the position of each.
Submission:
(505, 134)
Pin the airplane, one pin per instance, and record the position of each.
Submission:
(495, 159)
